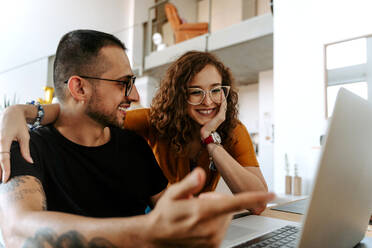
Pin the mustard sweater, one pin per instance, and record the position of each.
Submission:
(176, 167)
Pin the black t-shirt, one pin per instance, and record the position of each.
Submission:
(116, 179)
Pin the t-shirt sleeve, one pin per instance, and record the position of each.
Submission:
(242, 148)
(157, 182)
(20, 167)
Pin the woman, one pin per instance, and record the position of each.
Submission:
(196, 103)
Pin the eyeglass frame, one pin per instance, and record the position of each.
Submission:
(132, 78)
(209, 91)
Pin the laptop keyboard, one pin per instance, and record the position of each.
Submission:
(283, 237)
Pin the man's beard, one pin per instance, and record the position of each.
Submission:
(101, 116)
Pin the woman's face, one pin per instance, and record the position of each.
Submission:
(206, 79)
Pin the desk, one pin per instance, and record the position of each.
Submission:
(295, 217)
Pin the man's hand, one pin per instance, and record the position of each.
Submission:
(12, 127)
(213, 124)
(180, 220)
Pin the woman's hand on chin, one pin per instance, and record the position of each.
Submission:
(213, 124)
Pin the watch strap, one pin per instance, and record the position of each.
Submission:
(208, 140)
(212, 138)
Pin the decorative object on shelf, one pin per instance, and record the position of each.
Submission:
(297, 188)
(8, 102)
(288, 178)
(158, 41)
(49, 91)
(269, 127)
(183, 31)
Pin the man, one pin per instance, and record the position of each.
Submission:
(89, 184)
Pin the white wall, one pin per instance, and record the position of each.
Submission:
(1, 239)
(266, 122)
(31, 31)
(248, 106)
(301, 30)
(25, 83)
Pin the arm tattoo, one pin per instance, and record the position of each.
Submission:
(46, 237)
(16, 194)
(13, 184)
(41, 190)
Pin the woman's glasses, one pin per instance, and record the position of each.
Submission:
(128, 82)
(218, 94)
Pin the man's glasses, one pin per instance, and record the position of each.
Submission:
(128, 82)
(218, 94)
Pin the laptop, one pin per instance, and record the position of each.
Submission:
(340, 204)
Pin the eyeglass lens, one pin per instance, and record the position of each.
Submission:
(129, 85)
(217, 94)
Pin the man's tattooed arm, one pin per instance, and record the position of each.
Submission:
(45, 238)
(26, 223)
(17, 190)
(21, 192)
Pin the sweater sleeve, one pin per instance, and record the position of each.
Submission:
(138, 120)
(242, 148)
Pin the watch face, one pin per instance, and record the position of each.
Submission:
(216, 137)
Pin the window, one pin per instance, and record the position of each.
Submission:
(347, 66)
(346, 53)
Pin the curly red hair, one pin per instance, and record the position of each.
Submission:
(168, 112)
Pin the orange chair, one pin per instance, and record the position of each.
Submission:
(183, 31)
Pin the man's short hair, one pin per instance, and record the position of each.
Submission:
(77, 54)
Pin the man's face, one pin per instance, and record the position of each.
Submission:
(108, 104)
